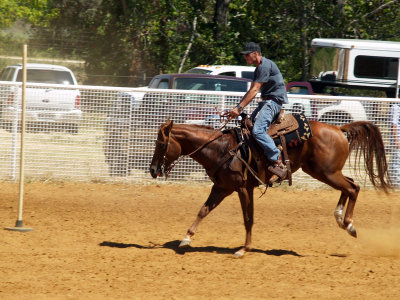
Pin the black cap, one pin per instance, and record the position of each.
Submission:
(250, 48)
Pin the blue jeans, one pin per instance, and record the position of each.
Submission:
(266, 112)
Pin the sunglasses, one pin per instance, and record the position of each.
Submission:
(249, 53)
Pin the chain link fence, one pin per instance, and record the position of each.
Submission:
(105, 134)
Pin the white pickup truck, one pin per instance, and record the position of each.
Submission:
(52, 102)
(225, 70)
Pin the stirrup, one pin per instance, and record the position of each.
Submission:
(279, 172)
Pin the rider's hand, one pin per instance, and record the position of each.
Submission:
(234, 113)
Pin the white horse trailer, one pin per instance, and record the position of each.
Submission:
(358, 63)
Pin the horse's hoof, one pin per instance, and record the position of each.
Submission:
(341, 224)
(351, 230)
(240, 253)
(185, 242)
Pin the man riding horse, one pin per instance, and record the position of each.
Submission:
(268, 79)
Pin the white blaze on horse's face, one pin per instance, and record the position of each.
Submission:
(159, 163)
(156, 162)
(156, 166)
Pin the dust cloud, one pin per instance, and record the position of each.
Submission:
(383, 242)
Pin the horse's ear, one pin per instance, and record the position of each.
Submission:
(169, 124)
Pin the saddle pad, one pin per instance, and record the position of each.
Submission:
(294, 134)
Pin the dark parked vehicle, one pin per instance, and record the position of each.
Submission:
(202, 82)
(134, 119)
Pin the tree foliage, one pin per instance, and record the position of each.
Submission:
(129, 39)
(36, 12)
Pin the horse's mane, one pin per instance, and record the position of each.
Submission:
(207, 127)
(198, 126)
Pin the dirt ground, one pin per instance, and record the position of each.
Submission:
(98, 241)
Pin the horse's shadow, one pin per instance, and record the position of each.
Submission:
(174, 245)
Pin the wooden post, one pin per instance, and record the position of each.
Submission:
(19, 226)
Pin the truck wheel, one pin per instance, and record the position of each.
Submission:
(6, 125)
(119, 168)
(140, 154)
(115, 149)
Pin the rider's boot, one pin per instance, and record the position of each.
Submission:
(279, 171)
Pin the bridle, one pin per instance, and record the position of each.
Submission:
(165, 145)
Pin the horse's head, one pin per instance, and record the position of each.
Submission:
(166, 151)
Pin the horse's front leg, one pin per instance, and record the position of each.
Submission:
(216, 196)
(247, 203)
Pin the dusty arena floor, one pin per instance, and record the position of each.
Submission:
(95, 241)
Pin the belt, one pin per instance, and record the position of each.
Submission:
(272, 98)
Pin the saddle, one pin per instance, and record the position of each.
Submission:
(289, 130)
(294, 127)
(284, 123)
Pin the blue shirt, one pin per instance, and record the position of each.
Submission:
(269, 74)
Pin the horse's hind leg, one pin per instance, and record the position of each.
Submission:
(339, 211)
(349, 191)
(216, 196)
(348, 219)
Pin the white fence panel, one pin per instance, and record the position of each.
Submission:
(108, 134)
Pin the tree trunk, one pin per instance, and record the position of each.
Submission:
(189, 45)
(220, 17)
(341, 4)
(304, 44)
(125, 9)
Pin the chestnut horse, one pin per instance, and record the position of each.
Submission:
(323, 157)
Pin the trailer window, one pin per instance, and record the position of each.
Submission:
(376, 67)
(324, 59)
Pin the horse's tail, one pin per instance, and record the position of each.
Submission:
(366, 139)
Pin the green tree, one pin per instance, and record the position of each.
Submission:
(31, 11)
(26, 13)
(127, 40)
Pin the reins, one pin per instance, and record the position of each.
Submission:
(217, 135)
(213, 138)
(234, 153)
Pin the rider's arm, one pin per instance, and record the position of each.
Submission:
(247, 98)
